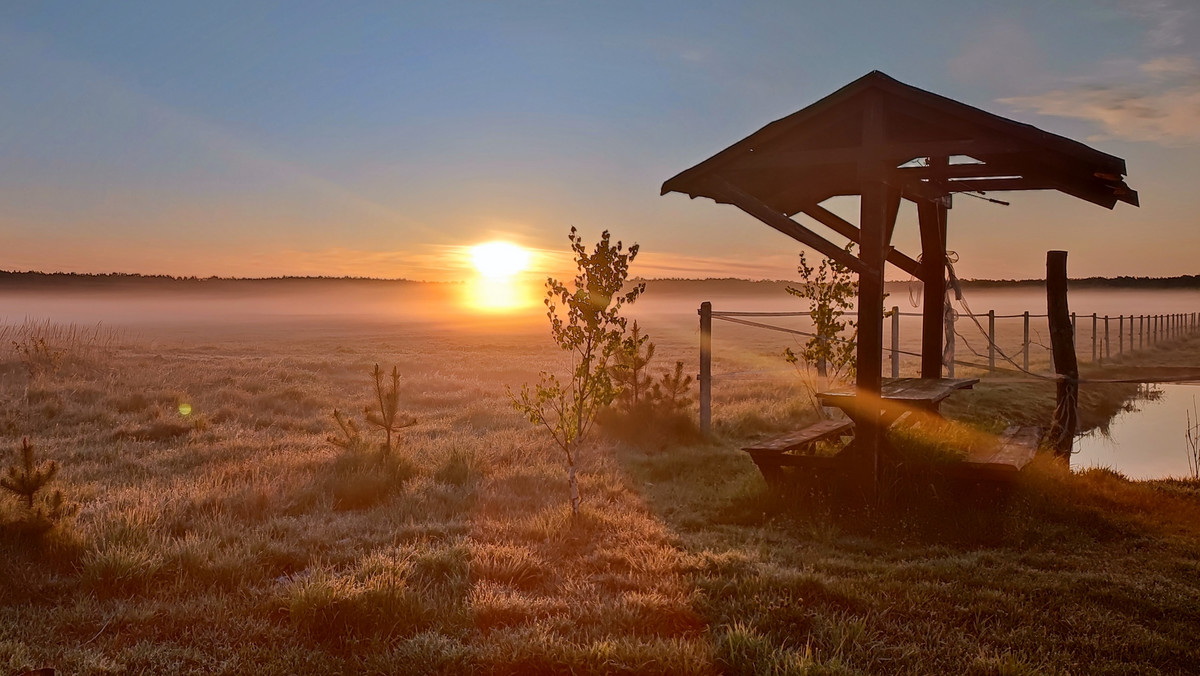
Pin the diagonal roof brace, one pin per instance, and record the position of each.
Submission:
(724, 191)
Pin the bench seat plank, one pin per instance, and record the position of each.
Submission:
(794, 441)
(1018, 445)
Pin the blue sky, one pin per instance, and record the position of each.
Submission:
(379, 139)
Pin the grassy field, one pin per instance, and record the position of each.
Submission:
(236, 538)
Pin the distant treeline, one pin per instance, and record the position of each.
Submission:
(74, 281)
(1121, 282)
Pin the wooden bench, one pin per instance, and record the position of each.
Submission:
(1017, 447)
(772, 455)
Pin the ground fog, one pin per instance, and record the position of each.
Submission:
(220, 531)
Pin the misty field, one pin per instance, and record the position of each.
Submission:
(220, 531)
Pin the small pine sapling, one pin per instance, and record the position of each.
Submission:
(387, 419)
(629, 369)
(351, 438)
(27, 481)
(672, 391)
(585, 321)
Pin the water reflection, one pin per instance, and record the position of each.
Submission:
(1147, 441)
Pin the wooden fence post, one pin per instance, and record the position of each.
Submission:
(1066, 414)
(1107, 341)
(991, 340)
(1120, 335)
(1025, 355)
(705, 313)
(1094, 336)
(895, 341)
(1141, 331)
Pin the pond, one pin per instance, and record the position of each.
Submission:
(1148, 441)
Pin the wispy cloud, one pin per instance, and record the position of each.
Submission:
(1161, 106)
(1166, 20)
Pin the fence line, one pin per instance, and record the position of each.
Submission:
(1150, 330)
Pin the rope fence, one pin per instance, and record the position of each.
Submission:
(1107, 336)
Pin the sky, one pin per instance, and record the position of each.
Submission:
(383, 139)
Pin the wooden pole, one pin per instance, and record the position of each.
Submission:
(1066, 413)
(1120, 335)
(1095, 335)
(873, 227)
(705, 367)
(931, 218)
(1107, 341)
(895, 341)
(1025, 343)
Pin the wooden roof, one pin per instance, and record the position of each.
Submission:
(818, 152)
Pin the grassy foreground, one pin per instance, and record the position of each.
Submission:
(236, 539)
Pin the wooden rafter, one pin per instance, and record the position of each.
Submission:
(724, 191)
(850, 231)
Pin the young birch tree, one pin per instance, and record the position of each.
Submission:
(830, 290)
(586, 321)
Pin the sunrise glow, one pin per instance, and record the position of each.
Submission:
(499, 259)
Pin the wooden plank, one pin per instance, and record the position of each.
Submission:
(930, 390)
(811, 434)
(1018, 446)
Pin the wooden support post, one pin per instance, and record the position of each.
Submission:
(873, 228)
(705, 367)
(931, 218)
(1066, 414)
(991, 340)
(1025, 344)
(895, 341)
(1141, 331)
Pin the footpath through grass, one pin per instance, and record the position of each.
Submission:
(234, 538)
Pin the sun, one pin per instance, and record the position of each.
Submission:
(499, 259)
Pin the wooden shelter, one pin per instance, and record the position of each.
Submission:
(885, 141)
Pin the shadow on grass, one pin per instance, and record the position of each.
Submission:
(1044, 574)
